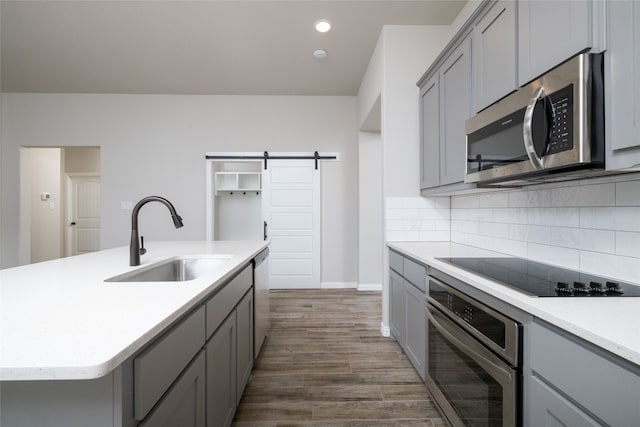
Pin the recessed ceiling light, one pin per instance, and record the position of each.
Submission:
(320, 54)
(322, 25)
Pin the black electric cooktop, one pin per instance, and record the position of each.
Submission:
(544, 280)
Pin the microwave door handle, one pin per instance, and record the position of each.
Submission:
(527, 130)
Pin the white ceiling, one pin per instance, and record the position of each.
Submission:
(198, 47)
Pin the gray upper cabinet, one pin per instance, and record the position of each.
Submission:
(551, 32)
(455, 109)
(494, 55)
(430, 133)
(622, 86)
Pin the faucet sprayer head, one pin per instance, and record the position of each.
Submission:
(177, 220)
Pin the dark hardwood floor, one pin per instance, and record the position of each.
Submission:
(325, 363)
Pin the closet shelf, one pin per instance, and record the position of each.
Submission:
(238, 181)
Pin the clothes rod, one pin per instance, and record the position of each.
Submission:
(267, 157)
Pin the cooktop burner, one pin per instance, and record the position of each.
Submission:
(544, 280)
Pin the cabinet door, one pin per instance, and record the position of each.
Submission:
(622, 86)
(430, 134)
(455, 109)
(221, 374)
(244, 342)
(396, 307)
(494, 55)
(549, 32)
(550, 409)
(183, 405)
(414, 301)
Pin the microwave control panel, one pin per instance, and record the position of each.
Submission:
(561, 130)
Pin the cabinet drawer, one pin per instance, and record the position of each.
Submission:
(415, 273)
(395, 261)
(607, 387)
(222, 303)
(159, 365)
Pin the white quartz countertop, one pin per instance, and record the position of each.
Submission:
(60, 320)
(612, 323)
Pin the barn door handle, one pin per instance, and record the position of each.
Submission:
(265, 230)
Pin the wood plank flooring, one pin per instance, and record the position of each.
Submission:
(325, 363)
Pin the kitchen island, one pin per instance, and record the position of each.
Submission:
(70, 339)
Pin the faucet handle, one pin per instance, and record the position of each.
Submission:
(142, 249)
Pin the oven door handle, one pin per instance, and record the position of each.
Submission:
(479, 354)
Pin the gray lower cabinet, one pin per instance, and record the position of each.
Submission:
(221, 374)
(184, 403)
(574, 383)
(406, 307)
(396, 307)
(244, 343)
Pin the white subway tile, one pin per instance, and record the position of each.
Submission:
(398, 224)
(597, 241)
(443, 225)
(597, 195)
(628, 193)
(406, 202)
(434, 213)
(564, 217)
(510, 247)
(441, 202)
(518, 232)
(459, 237)
(539, 234)
(519, 216)
(403, 236)
(628, 244)
(614, 266)
(427, 224)
(464, 202)
(598, 218)
(518, 199)
(403, 213)
(566, 237)
(435, 236)
(539, 198)
(462, 214)
(565, 196)
(494, 200)
(479, 241)
(627, 218)
(539, 216)
(564, 257)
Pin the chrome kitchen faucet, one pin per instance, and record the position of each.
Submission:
(136, 248)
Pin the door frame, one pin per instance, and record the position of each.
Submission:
(68, 208)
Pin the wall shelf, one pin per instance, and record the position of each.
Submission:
(228, 182)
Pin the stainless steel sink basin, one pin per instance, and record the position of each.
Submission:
(180, 269)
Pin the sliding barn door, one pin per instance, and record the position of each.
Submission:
(291, 209)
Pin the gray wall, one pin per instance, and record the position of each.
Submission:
(155, 144)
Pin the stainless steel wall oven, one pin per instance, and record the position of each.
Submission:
(474, 368)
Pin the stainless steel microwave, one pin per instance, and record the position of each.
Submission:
(551, 129)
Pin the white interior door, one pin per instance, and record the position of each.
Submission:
(291, 208)
(83, 214)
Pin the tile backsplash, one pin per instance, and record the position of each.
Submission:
(591, 225)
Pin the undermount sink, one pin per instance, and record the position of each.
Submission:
(180, 269)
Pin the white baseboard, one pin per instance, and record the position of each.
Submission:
(370, 287)
(338, 285)
(385, 330)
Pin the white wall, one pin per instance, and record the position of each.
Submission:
(370, 215)
(155, 144)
